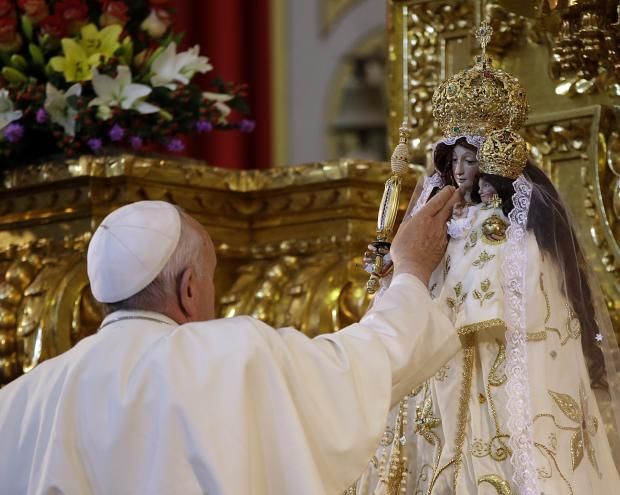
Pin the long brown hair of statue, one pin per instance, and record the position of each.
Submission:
(550, 223)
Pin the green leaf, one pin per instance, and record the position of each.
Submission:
(13, 75)
(72, 101)
(36, 54)
(19, 62)
(27, 27)
(152, 58)
(166, 115)
(126, 51)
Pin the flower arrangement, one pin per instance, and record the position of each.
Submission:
(79, 75)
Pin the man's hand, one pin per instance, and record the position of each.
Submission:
(421, 240)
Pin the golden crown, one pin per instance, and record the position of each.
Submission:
(504, 153)
(480, 99)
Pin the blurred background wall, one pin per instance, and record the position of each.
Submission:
(315, 76)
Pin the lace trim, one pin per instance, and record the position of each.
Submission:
(458, 228)
(514, 267)
(430, 183)
(473, 140)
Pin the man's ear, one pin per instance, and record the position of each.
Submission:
(187, 292)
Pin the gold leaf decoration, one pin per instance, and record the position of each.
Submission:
(483, 259)
(567, 405)
(472, 241)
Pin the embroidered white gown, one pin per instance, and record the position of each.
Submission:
(455, 439)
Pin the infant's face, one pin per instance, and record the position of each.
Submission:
(487, 191)
(458, 210)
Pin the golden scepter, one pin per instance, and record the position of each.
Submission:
(389, 206)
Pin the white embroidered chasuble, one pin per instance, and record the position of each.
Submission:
(221, 407)
(456, 439)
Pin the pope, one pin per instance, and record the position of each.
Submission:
(165, 399)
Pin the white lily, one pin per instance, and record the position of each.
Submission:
(220, 100)
(119, 92)
(58, 108)
(171, 68)
(8, 113)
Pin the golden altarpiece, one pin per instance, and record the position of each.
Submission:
(289, 240)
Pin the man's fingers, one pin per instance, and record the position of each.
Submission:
(446, 212)
(437, 202)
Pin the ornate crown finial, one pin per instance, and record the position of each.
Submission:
(483, 35)
(504, 153)
(480, 99)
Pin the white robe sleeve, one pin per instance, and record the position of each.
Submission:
(313, 410)
(343, 384)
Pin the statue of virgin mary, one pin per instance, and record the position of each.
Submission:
(530, 404)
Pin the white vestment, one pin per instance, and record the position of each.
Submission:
(229, 406)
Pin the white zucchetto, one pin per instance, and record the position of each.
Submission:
(130, 248)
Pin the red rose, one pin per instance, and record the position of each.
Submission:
(54, 26)
(36, 10)
(10, 40)
(114, 13)
(8, 29)
(6, 8)
(73, 12)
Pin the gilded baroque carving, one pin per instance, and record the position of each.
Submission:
(45, 304)
(585, 56)
(588, 136)
(427, 26)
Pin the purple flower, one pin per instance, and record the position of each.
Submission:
(41, 116)
(247, 125)
(14, 132)
(95, 144)
(175, 145)
(136, 142)
(117, 132)
(204, 126)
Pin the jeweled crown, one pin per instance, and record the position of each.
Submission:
(504, 153)
(480, 99)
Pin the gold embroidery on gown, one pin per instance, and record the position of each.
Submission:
(460, 444)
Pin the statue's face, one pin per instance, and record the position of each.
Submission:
(487, 191)
(464, 167)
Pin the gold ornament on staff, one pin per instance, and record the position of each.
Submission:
(389, 206)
